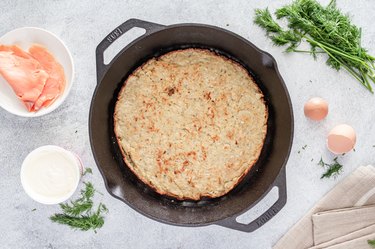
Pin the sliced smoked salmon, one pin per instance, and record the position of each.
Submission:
(36, 77)
(25, 74)
(55, 84)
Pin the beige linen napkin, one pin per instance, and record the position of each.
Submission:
(355, 190)
(333, 224)
(359, 243)
(340, 240)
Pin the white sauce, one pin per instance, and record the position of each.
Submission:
(50, 175)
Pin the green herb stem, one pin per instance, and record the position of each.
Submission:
(350, 70)
(307, 51)
(78, 214)
(332, 169)
(325, 28)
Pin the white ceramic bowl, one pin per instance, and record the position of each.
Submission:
(24, 38)
(32, 158)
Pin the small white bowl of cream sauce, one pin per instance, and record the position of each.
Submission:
(50, 174)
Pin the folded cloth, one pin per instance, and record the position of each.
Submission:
(348, 237)
(358, 243)
(332, 224)
(355, 190)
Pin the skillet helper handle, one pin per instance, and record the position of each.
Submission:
(280, 182)
(102, 68)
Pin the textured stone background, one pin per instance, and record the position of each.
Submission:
(82, 25)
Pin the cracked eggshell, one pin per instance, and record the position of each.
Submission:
(341, 139)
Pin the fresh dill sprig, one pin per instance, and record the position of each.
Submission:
(332, 170)
(87, 171)
(88, 192)
(85, 222)
(327, 31)
(264, 19)
(371, 243)
(81, 205)
(78, 214)
(279, 36)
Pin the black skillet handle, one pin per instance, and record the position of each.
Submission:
(280, 182)
(150, 27)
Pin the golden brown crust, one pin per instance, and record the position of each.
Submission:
(190, 124)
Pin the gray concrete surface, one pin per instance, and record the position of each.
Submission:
(82, 25)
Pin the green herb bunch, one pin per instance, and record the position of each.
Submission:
(371, 243)
(79, 214)
(327, 31)
(332, 169)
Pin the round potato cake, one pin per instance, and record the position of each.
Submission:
(190, 123)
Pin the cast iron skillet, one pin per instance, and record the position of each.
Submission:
(267, 173)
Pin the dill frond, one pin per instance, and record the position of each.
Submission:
(327, 30)
(332, 170)
(78, 214)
